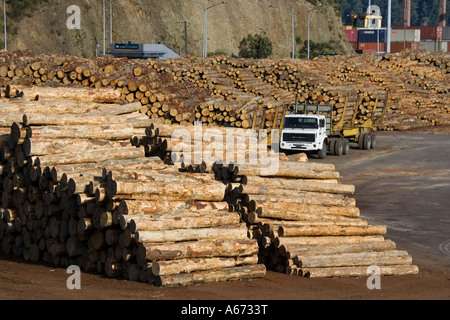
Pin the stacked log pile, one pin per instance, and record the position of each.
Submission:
(77, 191)
(307, 224)
(304, 220)
(179, 90)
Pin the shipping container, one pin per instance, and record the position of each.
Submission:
(426, 33)
(446, 33)
(400, 46)
(352, 34)
(432, 45)
(354, 45)
(371, 47)
(405, 35)
(372, 35)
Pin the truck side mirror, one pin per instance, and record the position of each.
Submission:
(322, 123)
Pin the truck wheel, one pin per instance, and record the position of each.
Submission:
(321, 154)
(361, 141)
(338, 147)
(331, 146)
(367, 143)
(345, 146)
(374, 141)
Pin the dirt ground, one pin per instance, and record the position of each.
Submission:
(404, 183)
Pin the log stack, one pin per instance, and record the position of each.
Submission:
(223, 91)
(76, 191)
(307, 224)
(304, 220)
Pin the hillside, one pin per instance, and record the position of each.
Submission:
(41, 25)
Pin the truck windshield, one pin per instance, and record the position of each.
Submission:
(300, 123)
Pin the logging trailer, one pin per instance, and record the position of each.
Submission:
(310, 128)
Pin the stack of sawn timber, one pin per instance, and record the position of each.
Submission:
(306, 224)
(78, 193)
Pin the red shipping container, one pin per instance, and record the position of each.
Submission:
(400, 46)
(354, 45)
(352, 34)
(427, 33)
(371, 47)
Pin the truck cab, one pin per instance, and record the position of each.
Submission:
(305, 132)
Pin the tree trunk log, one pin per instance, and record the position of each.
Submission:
(196, 249)
(138, 190)
(295, 231)
(307, 185)
(389, 270)
(104, 95)
(291, 252)
(171, 267)
(238, 231)
(324, 240)
(140, 223)
(92, 156)
(42, 147)
(226, 274)
(132, 207)
(395, 257)
(98, 132)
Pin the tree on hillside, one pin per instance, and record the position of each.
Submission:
(255, 46)
(316, 48)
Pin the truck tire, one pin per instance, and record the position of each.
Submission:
(374, 141)
(345, 146)
(321, 154)
(331, 146)
(361, 141)
(367, 143)
(338, 147)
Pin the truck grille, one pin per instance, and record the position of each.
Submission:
(299, 137)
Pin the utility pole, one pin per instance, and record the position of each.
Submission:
(4, 22)
(104, 29)
(205, 23)
(185, 36)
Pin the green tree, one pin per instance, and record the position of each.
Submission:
(255, 46)
(316, 48)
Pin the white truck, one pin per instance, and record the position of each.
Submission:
(309, 128)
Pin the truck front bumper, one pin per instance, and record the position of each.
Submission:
(298, 146)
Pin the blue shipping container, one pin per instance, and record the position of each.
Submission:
(372, 35)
